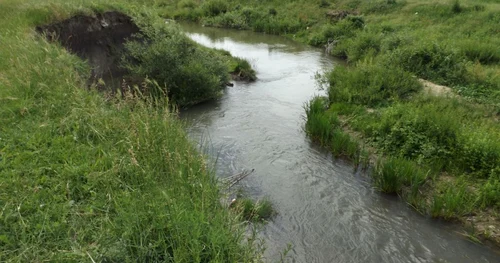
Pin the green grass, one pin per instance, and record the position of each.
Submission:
(86, 178)
(370, 84)
(393, 174)
(327, 130)
(253, 211)
(453, 200)
(241, 69)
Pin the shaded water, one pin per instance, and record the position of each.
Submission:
(326, 211)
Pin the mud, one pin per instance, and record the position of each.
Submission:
(99, 39)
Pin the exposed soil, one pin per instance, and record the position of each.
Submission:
(98, 39)
(435, 89)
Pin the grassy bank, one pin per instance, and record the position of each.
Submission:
(442, 155)
(440, 151)
(89, 179)
(453, 43)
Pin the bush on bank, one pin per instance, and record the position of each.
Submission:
(190, 73)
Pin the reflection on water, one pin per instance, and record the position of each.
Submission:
(326, 210)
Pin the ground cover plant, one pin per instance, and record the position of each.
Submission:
(87, 177)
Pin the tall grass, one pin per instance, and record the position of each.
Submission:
(370, 84)
(89, 179)
(453, 200)
(325, 127)
(393, 174)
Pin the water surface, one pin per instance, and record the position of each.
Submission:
(326, 210)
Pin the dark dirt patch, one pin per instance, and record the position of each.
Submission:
(98, 39)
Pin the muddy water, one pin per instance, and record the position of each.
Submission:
(326, 210)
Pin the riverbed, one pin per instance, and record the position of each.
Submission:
(326, 210)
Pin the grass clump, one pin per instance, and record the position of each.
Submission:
(325, 127)
(393, 174)
(241, 69)
(253, 211)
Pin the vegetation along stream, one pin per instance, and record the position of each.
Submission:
(327, 211)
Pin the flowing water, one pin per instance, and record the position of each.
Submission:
(326, 210)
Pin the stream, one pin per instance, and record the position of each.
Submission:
(327, 211)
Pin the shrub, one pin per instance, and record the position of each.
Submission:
(489, 194)
(479, 8)
(485, 53)
(357, 22)
(339, 31)
(227, 20)
(324, 4)
(479, 153)
(190, 73)
(419, 132)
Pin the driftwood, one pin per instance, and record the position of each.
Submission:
(234, 179)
